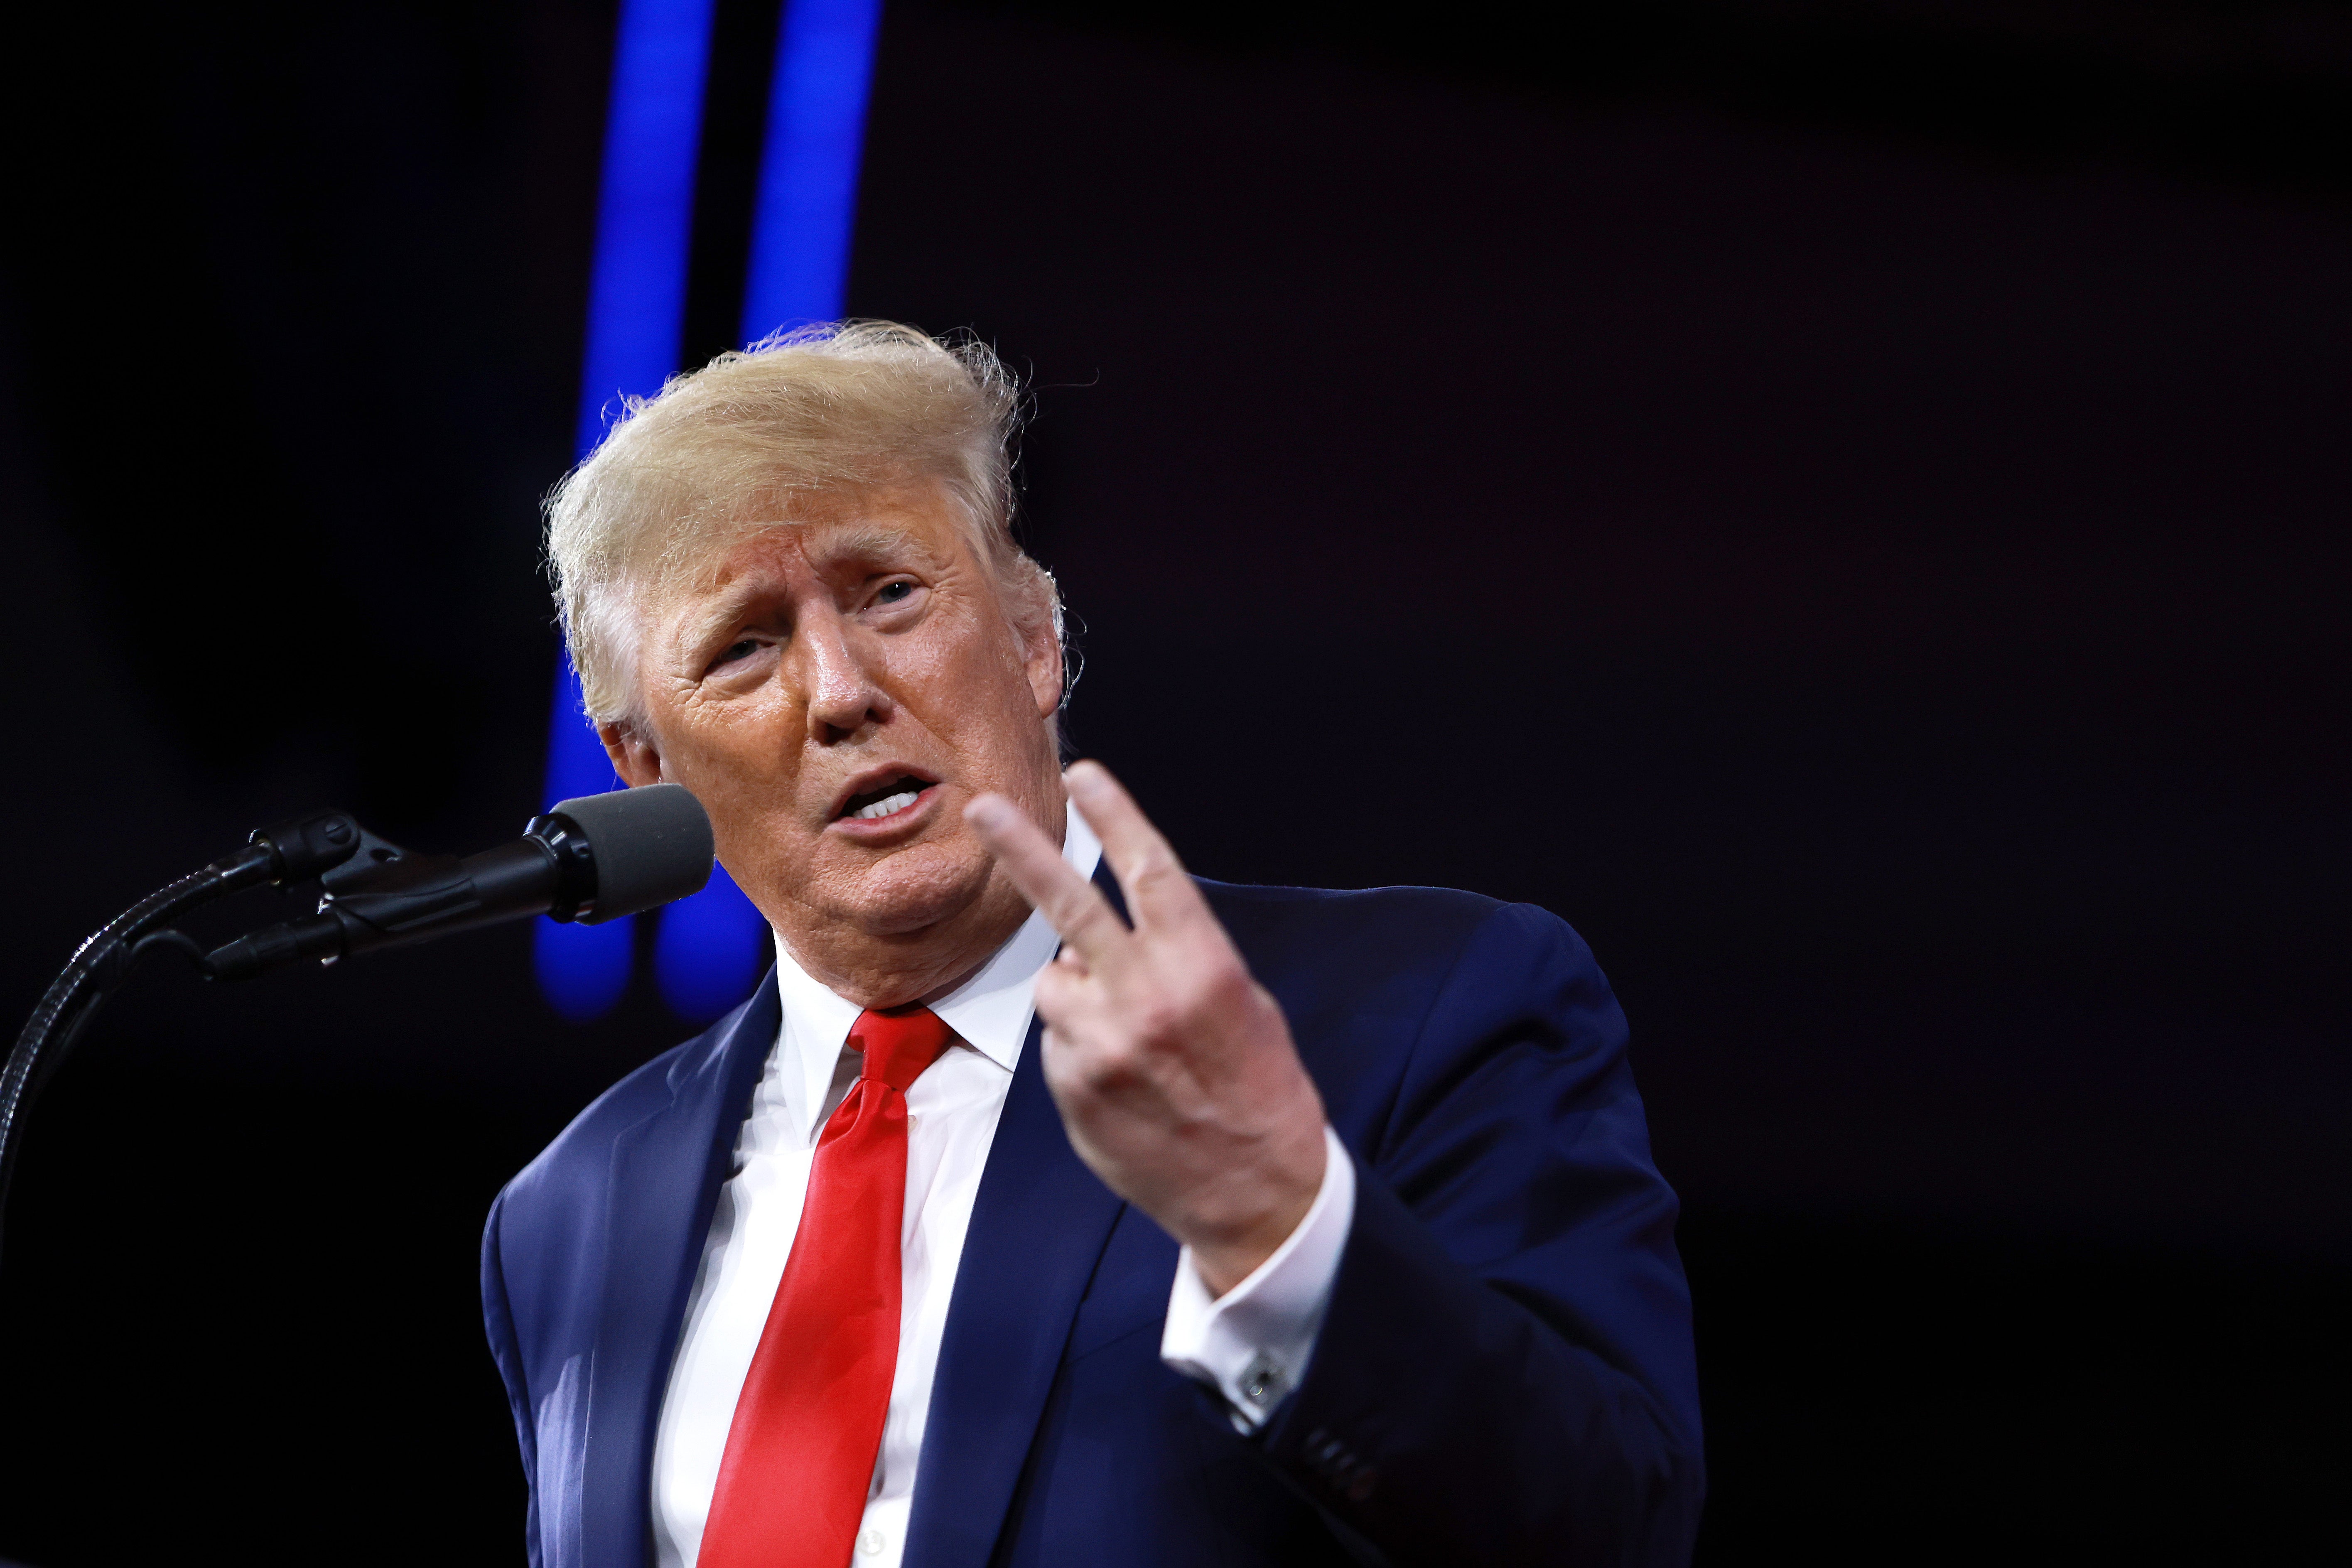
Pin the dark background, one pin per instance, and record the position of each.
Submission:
(1845, 503)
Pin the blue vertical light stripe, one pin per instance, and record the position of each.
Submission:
(710, 949)
(808, 169)
(636, 310)
(644, 210)
(711, 946)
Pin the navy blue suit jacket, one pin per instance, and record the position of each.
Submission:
(1504, 1375)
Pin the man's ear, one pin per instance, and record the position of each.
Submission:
(636, 760)
(1042, 661)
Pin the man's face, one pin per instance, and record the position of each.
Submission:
(834, 698)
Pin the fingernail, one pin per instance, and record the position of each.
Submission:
(988, 811)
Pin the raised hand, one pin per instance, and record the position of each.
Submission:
(1174, 1069)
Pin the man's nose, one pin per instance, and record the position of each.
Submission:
(842, 694)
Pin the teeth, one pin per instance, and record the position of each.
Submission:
(887, 805)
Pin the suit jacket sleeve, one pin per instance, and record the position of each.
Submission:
(1505, 1373)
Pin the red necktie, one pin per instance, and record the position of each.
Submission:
(808, 1425)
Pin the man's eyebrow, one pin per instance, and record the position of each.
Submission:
(702, 622)
(848, 541)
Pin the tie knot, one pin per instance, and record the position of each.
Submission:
(899, 1045)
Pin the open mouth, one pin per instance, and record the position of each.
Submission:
(888, 800)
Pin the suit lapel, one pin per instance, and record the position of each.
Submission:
(1038, 1228)
(667, 1172)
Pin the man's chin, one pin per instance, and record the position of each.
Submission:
(914, 890)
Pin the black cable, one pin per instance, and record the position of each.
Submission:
(179, 941)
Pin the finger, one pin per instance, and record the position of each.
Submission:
(1158, 893)
(1062, 991)
(1069, 901)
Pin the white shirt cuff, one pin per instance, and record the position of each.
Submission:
(1251, 1343)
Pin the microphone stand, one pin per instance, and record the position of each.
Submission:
(290, 852)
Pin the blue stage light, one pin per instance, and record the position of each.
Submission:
(636, 309)
(709, 950)
(808, 169)
(713, 945)
(644, 210)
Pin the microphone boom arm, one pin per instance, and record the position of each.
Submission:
(417, 897)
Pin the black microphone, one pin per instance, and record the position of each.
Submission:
(591, 859)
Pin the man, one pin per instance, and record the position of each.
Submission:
(1044, 1205)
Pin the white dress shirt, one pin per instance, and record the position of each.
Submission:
(1250, 1343)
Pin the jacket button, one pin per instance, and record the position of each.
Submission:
(1326, 1455)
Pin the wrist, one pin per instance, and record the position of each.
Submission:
(1227, 1249)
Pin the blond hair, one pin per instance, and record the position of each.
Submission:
(845, 404)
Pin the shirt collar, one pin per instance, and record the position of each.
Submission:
(990, 1012)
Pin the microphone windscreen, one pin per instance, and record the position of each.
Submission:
(650, 846)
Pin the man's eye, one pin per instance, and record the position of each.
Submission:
(743, 649)
(892, 593)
